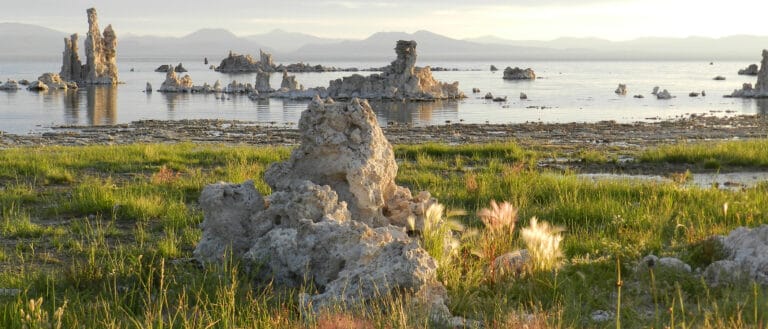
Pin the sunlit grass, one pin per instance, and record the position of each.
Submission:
(109, 229)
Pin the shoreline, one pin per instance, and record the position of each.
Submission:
(596, 135)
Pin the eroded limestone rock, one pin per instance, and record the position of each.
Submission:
(100, 55)
(335, 219)
(100, 52)
(519, 74)
(289, 83)
(55, 82)
(746, 260)
(174, 84)
(71, 67)
(10, 85)
(752, 69)
(621, 90)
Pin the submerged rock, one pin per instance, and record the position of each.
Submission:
(336, 219)
(518, 74)
(719, 78)
(761, 87)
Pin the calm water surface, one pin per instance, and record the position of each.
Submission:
(567, 92)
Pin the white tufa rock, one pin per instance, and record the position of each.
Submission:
(54, 81)
(747, 257)
(174, 84)
(336, 219)
(668, 263)
(100, 53)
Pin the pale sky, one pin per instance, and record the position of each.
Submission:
(516, 20)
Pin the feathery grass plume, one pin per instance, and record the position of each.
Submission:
(499, 216)
(543, 242)
(437, 233)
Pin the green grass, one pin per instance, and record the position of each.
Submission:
(108, 229)
(712, 155)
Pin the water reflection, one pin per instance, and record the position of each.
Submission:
(102, 105)
(72, 107)
(418, 113)
(762, 106)
(173, 100)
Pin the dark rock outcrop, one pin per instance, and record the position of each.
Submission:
(519, 74)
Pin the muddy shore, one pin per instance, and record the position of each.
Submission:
(599, 135)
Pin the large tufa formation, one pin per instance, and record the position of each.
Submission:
(760, 89)
(336, 219)
(100, 55)
(401, 80)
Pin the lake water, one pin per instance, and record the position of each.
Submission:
(567, 92)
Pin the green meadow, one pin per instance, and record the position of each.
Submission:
(102, 237)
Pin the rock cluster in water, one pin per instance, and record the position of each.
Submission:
(100, 54)
(401, 80)
(237, 63)
(166, 67)
(335, 218)
(518, 74)
(760, 90)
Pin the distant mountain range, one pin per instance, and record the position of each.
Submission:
(31, 42)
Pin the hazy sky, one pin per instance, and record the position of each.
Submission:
(520, 20)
